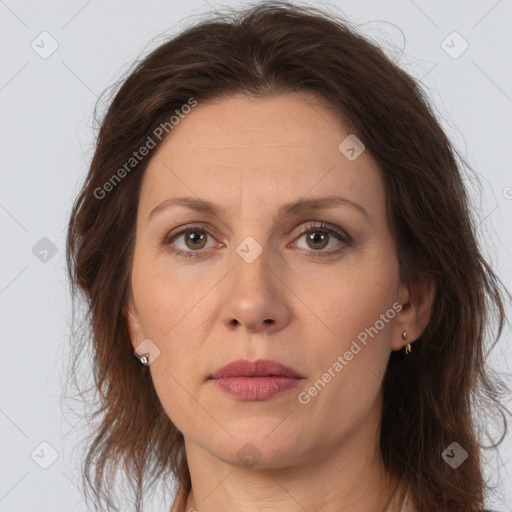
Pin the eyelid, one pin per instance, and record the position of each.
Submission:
(203, 226)
(327, 226)
(344, 240)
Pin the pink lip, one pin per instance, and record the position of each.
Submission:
(257, 380)
(259, 368)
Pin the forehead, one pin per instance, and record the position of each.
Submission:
(275, 148)
(296, 121)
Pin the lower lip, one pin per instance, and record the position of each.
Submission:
(256, 388)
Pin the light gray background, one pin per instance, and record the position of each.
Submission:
(46, 144)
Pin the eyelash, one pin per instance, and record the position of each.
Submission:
(310, 227)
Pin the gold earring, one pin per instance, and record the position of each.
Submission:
(408, 346)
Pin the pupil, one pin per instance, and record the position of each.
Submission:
(195, 238)
(316, 237)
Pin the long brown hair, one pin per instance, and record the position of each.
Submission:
(430, 397)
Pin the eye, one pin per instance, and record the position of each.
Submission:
(189, 241)
(319, 235)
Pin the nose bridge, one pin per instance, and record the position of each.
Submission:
(252, 274)
(255, 298)
(251, 254)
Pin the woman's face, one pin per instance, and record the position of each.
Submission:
(258, 279)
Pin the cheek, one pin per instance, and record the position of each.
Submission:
(351, 363)
(176, 394)
(163, 298)
(173, 324)
(356, 301)
(170, 314)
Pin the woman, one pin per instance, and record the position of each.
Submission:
(275, 224)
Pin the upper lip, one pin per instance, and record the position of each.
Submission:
(259, 368)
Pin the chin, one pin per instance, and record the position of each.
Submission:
(261, 449)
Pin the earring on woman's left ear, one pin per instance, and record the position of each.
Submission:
(408, 346)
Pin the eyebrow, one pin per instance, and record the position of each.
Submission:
(290, 209)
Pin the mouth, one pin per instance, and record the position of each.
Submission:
(259, 368)
(256, 380)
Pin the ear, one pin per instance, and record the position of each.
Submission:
(133, 323)
(416, 298)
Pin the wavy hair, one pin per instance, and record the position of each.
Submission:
(430, 398)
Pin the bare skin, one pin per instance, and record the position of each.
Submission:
(249, 157)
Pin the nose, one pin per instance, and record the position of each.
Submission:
(255, 297)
